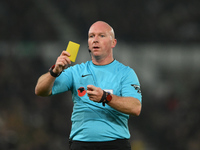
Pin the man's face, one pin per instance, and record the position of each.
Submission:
(100, 39)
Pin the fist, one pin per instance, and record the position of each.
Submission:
(62, 62)
(94, 93)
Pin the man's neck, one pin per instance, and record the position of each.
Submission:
(103, 61)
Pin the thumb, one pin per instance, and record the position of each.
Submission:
(90, 87)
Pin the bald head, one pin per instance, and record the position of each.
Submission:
(105, 26)
(101, 41)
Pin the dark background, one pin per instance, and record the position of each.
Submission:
(31, 32)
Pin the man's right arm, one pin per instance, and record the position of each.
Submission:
(46, 81)
(44, 85)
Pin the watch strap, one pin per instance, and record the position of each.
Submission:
(52, 73)
(104, 98)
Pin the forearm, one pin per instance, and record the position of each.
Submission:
(127, 105)
(44, 85)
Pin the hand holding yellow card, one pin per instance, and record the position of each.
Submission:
(73, 48)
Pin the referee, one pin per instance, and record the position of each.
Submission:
(104, 92)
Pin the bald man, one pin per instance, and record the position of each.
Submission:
(104, 91)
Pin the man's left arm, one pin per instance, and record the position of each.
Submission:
(127, 105)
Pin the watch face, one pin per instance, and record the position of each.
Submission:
(109, 97)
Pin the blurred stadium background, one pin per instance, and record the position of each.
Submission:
(160, 40)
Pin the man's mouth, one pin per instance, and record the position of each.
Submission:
(95, 47)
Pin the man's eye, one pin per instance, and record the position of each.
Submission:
(102, 35)
(91, 36)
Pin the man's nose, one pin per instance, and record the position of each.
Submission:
(95, 40)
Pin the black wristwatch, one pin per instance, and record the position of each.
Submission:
(52, 73)
(106, 98)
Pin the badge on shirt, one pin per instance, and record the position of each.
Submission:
(109, 91)
(137, 88)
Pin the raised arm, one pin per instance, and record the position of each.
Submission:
(46, 81)
(44, 85)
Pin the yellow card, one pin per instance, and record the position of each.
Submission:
(73, 48)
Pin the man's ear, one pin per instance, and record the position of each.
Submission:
(114, 42)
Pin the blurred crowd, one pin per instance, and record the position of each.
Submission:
(29, 122)
(140, 21)
(23, 21)
(172, 119)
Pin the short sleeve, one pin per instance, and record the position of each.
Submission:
(63, 83)
(131, 85)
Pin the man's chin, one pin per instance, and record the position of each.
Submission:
(96, 53)
(96, 56)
